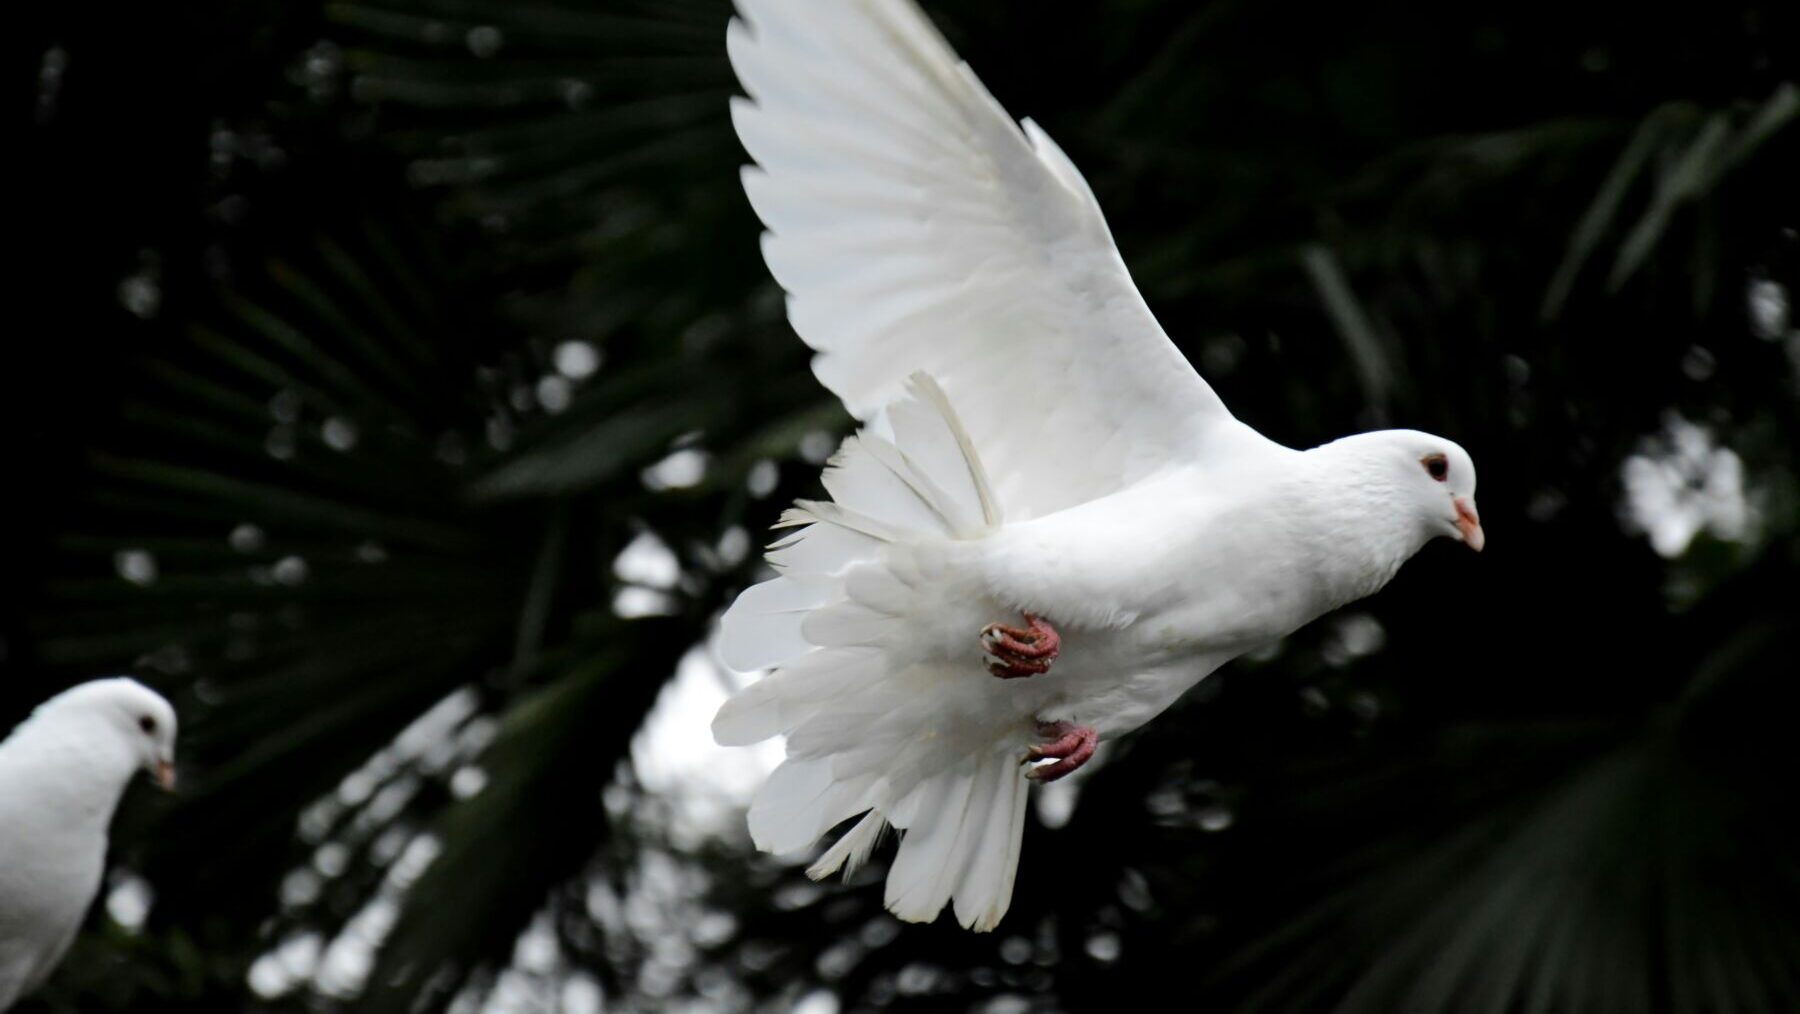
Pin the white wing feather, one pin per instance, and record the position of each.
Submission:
(917, 227)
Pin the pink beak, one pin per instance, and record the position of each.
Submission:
(165, 776)
(1469, 523)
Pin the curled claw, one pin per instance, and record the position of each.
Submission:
(1070, 747)
(1012, 652)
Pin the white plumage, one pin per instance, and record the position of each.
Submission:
(62, 772)
(1033, 443)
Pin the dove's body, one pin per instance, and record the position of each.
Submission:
(49, 876)
(1055, 460)
(1149, 598)
(62, 773)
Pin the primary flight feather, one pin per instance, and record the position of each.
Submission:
(1050, 527)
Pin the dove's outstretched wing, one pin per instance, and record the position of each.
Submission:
(916, 226)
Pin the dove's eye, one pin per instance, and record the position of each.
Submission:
(1437, 466)
(147, 724)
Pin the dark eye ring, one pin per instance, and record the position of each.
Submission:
(1437, 466)
(147, 724)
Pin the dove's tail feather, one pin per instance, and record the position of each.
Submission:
(864, 687)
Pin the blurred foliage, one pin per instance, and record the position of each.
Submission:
(362, 339)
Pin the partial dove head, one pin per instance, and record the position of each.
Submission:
(131, 715)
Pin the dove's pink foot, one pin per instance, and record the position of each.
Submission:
(1013, 652)
(1070, 747)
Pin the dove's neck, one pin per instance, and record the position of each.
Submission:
(75, 765)
(1361, 523)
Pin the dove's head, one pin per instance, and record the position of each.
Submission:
(1437, 479)
(129, 714)
(1423, 482)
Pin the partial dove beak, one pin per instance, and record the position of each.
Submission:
(1469, 523)
(165, 775)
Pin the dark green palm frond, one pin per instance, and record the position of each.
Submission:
(1623, 878)
(1694, 153)
(563, 128)
(552, 754)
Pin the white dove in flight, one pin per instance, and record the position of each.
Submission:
(1049, 527)
(62, 772)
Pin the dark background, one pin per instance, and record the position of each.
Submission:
(287, 438)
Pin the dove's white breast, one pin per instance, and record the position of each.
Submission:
(47, 882)
(54, 808)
